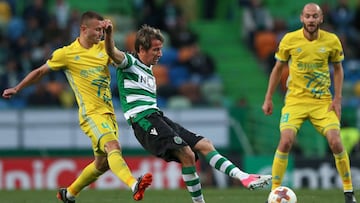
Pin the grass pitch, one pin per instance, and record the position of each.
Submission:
(232, 195)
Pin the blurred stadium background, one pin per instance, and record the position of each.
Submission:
(212, 79)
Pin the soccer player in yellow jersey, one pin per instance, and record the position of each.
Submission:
(309, 52)
(85, 64)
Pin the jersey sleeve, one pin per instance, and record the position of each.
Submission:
(282, 53)
(127, 62)
(337, 53)
(57, 60)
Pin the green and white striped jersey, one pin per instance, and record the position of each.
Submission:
(137, 88)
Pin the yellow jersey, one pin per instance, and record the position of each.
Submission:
(309, 72)
(88, 75)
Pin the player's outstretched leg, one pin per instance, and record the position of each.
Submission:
(61, 195)
(222, 164)
(142, 183)
(256, 181)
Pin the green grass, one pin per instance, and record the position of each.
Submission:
(233, 195)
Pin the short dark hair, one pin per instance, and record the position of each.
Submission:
(88, 15)
(145, 35)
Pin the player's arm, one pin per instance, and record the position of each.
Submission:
(338, 83)
(116, 55)
(274, 80)
(33, 77)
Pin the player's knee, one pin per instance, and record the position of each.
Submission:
(204, 146)
(335, 146)
(286, 143)
(112, 145)
(186, 156)
(206, 142)
(334, 141)
(189, 154)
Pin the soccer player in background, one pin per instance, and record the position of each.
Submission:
(85, 64)
(308, 52)
(157, 133)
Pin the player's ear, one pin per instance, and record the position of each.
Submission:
(322, 18)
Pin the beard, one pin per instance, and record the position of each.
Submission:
(311, 29)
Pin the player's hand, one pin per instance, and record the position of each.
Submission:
(107, 26)
(8, 93)
(267, 107)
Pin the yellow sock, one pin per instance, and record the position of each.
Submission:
(343, 167)
(119, 167)
(279, 168)
(87, 176)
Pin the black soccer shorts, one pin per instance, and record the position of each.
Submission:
(160, 136)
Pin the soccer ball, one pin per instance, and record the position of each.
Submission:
(282, 194)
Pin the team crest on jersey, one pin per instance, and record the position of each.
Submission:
(178, 140)
(100, 55)
(322, 50)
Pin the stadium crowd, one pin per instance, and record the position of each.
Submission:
(186, 74)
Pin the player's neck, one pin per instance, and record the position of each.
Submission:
(142, 59)
(311, 36)
(84, 43)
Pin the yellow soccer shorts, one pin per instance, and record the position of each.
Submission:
(101, 129)
(293, 115)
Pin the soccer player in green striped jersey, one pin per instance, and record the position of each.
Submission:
(157, 133)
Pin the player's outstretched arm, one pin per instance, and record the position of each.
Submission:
(33, 77)
(116, 55)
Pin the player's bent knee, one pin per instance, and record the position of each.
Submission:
(204, 146)
(206, 141)
(108, 143)
(186, 156)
